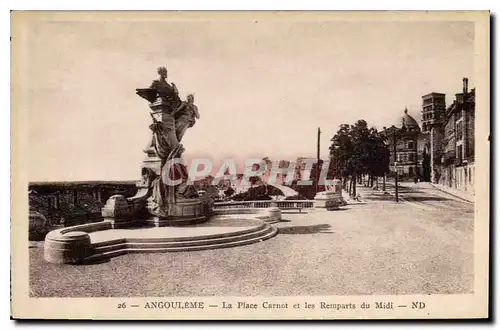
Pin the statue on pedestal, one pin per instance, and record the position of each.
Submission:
(185, 116)
(158, 198)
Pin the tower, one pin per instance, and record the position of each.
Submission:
(433, 111)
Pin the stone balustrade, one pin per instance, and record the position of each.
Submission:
(282, 205)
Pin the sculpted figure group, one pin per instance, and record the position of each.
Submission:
(171, 119)
(164, 196)
(176, 115)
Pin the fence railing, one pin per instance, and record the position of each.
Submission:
(283, 205)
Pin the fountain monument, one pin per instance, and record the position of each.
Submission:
(164, 197)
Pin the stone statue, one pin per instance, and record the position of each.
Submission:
(161, 83)
(160, 88)
(164, 101)
(185, 116)
(163, 202)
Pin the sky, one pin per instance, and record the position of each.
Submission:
(262, 87)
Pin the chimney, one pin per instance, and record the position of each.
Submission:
(466, 86)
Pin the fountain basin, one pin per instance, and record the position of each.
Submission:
(100, 241)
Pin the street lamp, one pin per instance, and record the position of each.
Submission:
(394, 141)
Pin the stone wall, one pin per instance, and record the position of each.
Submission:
(459, 177)
(70, 204)
(436, 145)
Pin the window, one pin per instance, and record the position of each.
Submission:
(459, 130)
(410, 171)
(459, 154)
(411, 157)
(409, 145)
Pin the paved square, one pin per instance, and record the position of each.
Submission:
(375, 247)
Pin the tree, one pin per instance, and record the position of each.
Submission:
(341, 150)
(358, 150)
(229, 191)
(377, 157)
(381, 156)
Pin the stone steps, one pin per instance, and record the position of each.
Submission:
(97, 245)
(159, 245)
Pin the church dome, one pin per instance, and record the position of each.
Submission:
(409, 122)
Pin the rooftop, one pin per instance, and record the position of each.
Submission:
(408, 121)
(433, 94)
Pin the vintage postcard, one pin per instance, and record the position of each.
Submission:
(250, 165)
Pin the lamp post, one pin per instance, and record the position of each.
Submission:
(317, 168)
(394, 141)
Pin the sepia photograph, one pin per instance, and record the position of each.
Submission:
(250, 165)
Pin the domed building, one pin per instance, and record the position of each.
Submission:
(409, 122)
(411, 149)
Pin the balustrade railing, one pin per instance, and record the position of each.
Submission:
(283, 205)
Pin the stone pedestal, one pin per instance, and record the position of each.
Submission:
(328, 198)
(184, 212)
(332, 205)
(118, 210)
(152, 162)
(68, 248)
(274, 214)
(322, 197)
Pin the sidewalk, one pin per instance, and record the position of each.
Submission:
(368, 194)
(350, 200)
(465, 195)
(438, 189)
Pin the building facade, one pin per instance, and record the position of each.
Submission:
(456, 168)
(442, 152)
(411, 149)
